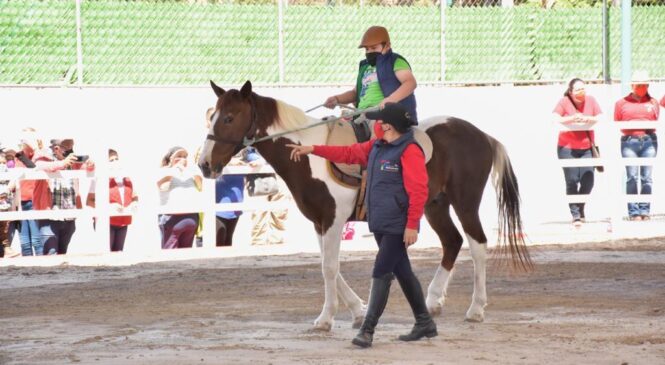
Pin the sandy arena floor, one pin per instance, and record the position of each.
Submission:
(600, 303)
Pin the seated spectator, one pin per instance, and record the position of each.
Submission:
(122, 199)
(640, 143)
(58, 194)
(577, 108)
(179, 186)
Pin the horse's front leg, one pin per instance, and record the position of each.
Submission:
(330, 242)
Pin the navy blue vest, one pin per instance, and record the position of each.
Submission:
(388, 81)
(386, 198)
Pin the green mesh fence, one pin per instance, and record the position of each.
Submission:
(189, 42)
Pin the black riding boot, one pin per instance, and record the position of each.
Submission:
(378, 298)
(425, 326)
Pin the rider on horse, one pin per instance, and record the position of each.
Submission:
(383, 77)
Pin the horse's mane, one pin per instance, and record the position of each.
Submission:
(290, 117)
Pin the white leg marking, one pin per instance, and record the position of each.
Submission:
(476, 312)
(330, 268)
(437, 290)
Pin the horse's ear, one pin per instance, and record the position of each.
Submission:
(246, 90)
(218, 90)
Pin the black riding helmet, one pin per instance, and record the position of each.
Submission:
(394, 114)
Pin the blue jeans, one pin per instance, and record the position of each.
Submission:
(56, 235)
(579, 180)
(644, 146)
(29, 234)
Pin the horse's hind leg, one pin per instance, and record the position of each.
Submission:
(478, 247)
(437, 212)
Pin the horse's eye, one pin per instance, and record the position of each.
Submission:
(228, 119)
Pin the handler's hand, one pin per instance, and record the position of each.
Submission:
(410, 237)
(331, 102)
(298, 150)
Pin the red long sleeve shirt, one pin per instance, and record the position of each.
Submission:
(414, 172)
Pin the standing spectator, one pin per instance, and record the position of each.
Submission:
(122, 199)
(180, 186)
(577, 108)
(6, 205)
(638, 106)
(267, 225)
(229, 188)
(58, 194)
(31, 242)
(383, 76)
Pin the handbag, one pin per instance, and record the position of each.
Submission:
(595, 152)
(261, 184)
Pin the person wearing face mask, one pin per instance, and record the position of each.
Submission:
(396, 195)
(383, 77)
(576, 108)
(122, 199)
(638, 106)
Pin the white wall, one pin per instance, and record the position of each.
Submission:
(142, 123)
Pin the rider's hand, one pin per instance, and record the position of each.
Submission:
(298, 150)
(410, 237)
(331, 102)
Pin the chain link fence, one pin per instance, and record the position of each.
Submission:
(315, 41)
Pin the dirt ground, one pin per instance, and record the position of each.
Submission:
(600, 303)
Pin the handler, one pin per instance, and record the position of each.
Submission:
(396, 196)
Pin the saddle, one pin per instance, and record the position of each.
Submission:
(344, 133)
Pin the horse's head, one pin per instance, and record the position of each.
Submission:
(231, 123)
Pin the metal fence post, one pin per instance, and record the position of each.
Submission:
(442, 12)
(79, 46)
(607, 77)
(280, 37)
(626, 46)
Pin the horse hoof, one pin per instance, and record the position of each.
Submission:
(435, 311)
(475, 318)
(322, 327)
(357, 322)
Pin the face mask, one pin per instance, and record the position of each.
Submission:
(579, 96)
(378, 131)
(371, 57)
(641, 90)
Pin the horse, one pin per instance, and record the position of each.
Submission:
(462, 158)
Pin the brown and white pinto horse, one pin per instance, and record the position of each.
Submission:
(462, 159)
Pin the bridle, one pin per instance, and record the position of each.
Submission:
(248, 139)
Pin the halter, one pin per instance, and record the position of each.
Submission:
(248, 141)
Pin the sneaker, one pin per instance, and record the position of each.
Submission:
(9, 252)
(577, 223)
(646, 217)
(635, 218)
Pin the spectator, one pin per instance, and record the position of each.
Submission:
(267, 225)
(577, 108)
(229, 188)
(31, 243)
(122, 199)
(641, 143)
(58, 194)
(6, 205)
(179, 186)
(383, 77)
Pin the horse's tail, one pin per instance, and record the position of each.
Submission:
(511, 238)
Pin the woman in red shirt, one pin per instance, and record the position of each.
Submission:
(577, 108)
(638, 106)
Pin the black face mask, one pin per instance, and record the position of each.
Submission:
(371, 57)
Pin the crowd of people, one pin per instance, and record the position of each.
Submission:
(179, 185)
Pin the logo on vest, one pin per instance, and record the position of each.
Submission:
(389, 166)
